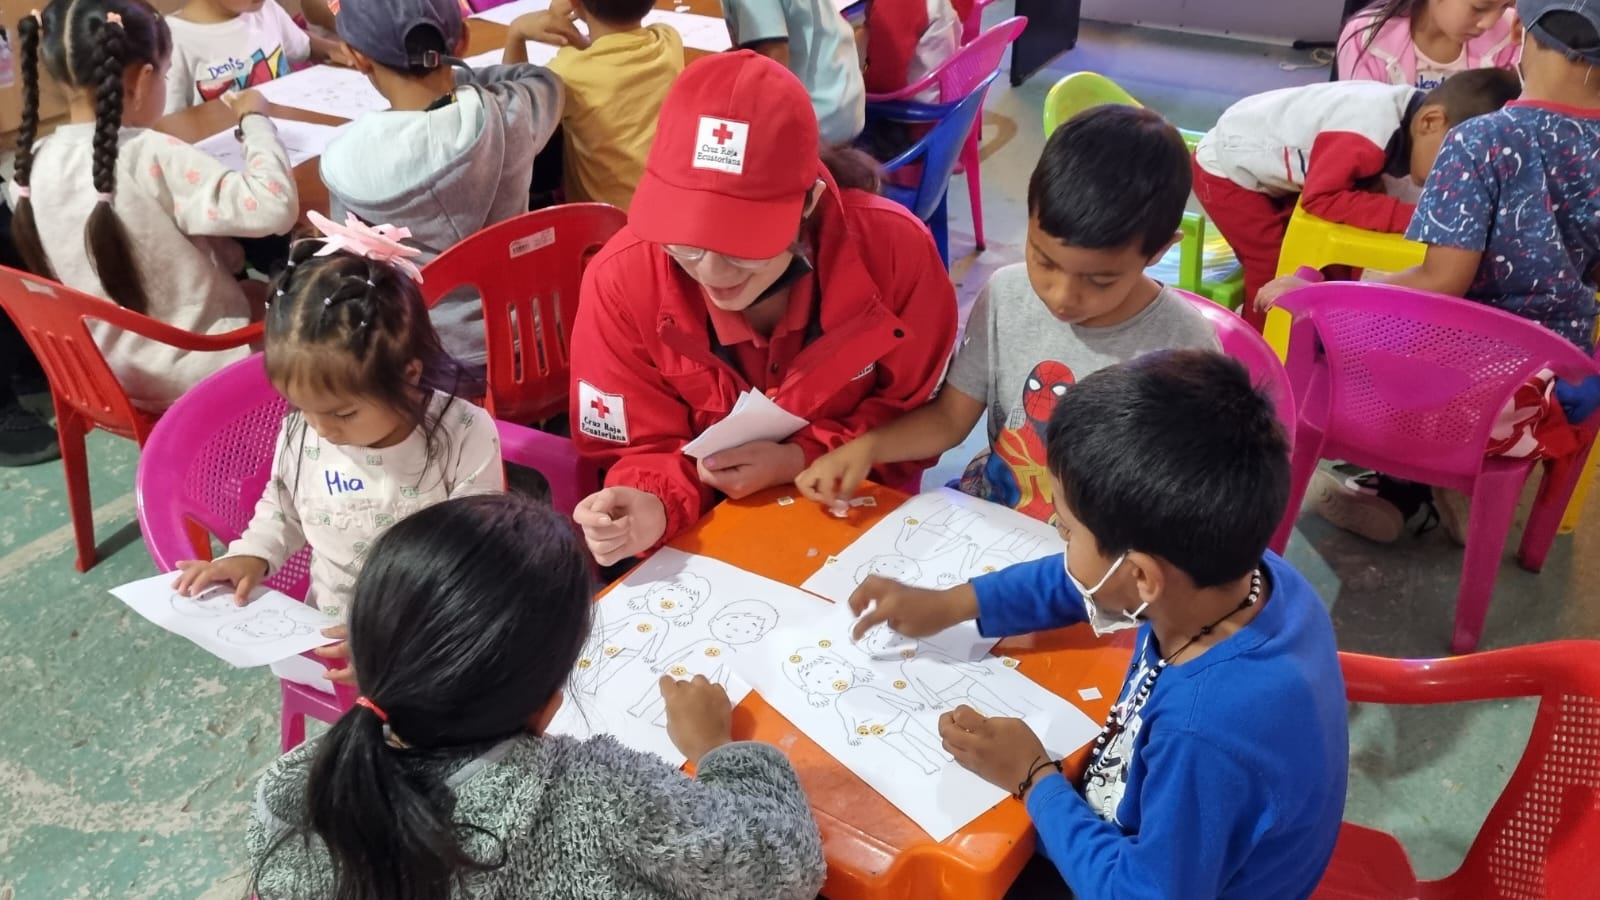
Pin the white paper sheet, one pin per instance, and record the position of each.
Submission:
(538, 53)
(274, 626)
(303, 140)
(936, 540)
(880, 717)
(505, 14)
(754, 418)
(330, 90)
(875, 715)
(708, 33)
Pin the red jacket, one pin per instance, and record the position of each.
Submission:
(643, 364)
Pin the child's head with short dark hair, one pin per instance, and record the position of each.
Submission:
(615, 12)
(1465, 95)
(1105, 202)
(1175, 455)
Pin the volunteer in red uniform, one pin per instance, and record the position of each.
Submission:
(746, 263)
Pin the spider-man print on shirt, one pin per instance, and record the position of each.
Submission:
(1014, 471)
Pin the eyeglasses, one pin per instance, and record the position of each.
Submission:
(688, 254)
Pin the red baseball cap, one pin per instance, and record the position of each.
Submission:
(735, 153)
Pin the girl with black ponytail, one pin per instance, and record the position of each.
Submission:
(441, 783)
(131, 215)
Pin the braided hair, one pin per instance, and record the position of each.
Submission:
(88, 45)
(345, 325)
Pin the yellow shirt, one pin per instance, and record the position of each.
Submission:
(614, 94)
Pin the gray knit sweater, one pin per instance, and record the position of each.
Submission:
(590, 819)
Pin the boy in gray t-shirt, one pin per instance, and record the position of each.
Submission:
(1104, 203)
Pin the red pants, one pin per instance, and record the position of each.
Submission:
(1253, 224)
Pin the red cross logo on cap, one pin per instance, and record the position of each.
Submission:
(722, 134)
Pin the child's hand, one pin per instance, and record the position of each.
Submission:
(245, 103)
(243, 572)
(1000, 751)
(836, 474)
(1267, 297)
(339, 651)
(756, 466)
(620, 522)
(699, 715)
(548, 26)
(910, 611)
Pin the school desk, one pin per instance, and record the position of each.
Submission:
(873, 850)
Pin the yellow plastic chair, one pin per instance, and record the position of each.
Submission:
(1086, 90)
(1315, 242)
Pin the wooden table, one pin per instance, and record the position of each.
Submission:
(874, 850)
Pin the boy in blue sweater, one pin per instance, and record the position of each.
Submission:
(1221, 769)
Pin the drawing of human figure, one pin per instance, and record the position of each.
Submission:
(210, 603)
(894, 568)
(1014, 547)
(945, 682)
(637, 636)
(940, 533)
(738, 624)
(867, 712)
(676, 599)
(264, 627)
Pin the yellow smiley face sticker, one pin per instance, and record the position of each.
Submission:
(824, 643)
(613, 651)
(910, 521)
(795, 658)
(899, 685)
(644, 627)
(678, 671)
(907, 653)
(668, 604)
(713, 652)
(988, 568)
(861, 730)
(877, 730)
(585, 663)
(1009, 663)
(840, 685)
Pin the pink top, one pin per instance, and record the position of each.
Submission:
(1389, 55)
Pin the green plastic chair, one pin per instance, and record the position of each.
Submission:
(1086, 90)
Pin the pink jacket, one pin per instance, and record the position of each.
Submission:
(1390, 56)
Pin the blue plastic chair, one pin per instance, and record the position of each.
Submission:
(938, 151)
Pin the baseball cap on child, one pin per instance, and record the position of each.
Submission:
(377, 29)
(1533, 13)
(735, 153)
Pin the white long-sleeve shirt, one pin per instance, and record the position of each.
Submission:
(182, 210)
(339, 499)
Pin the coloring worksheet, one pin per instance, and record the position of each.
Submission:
(272, 627)
(330, 90)
(538, 54)
(302, 140)
(875, 705)
(507, 13)
(938, 539)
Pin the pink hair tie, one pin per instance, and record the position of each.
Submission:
(114, 19)
(378, 243)
(102, 198)
(376, 710)
(24, 192)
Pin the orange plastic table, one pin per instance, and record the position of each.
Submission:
(873, 850)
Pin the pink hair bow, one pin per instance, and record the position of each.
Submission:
(381, 243)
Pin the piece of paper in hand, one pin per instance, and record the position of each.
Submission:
(302, 140)
(754, 418)
(273, 626)
(880, 642)
(641, 726)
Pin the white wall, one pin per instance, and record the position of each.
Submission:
(1279, 20)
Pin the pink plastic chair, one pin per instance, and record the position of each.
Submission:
(979, 58)
(972, 24)
(1245, 344)
(1409, 384)
(208, 460)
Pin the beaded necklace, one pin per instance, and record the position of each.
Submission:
(1118, 718)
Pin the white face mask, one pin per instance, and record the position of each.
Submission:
(1101, 621)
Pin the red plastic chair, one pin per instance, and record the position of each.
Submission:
(527, 270)
(54, 319)
(208, 461)
(1245, 344)
(1409, 384)
(978, 59)
(1543, 834)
